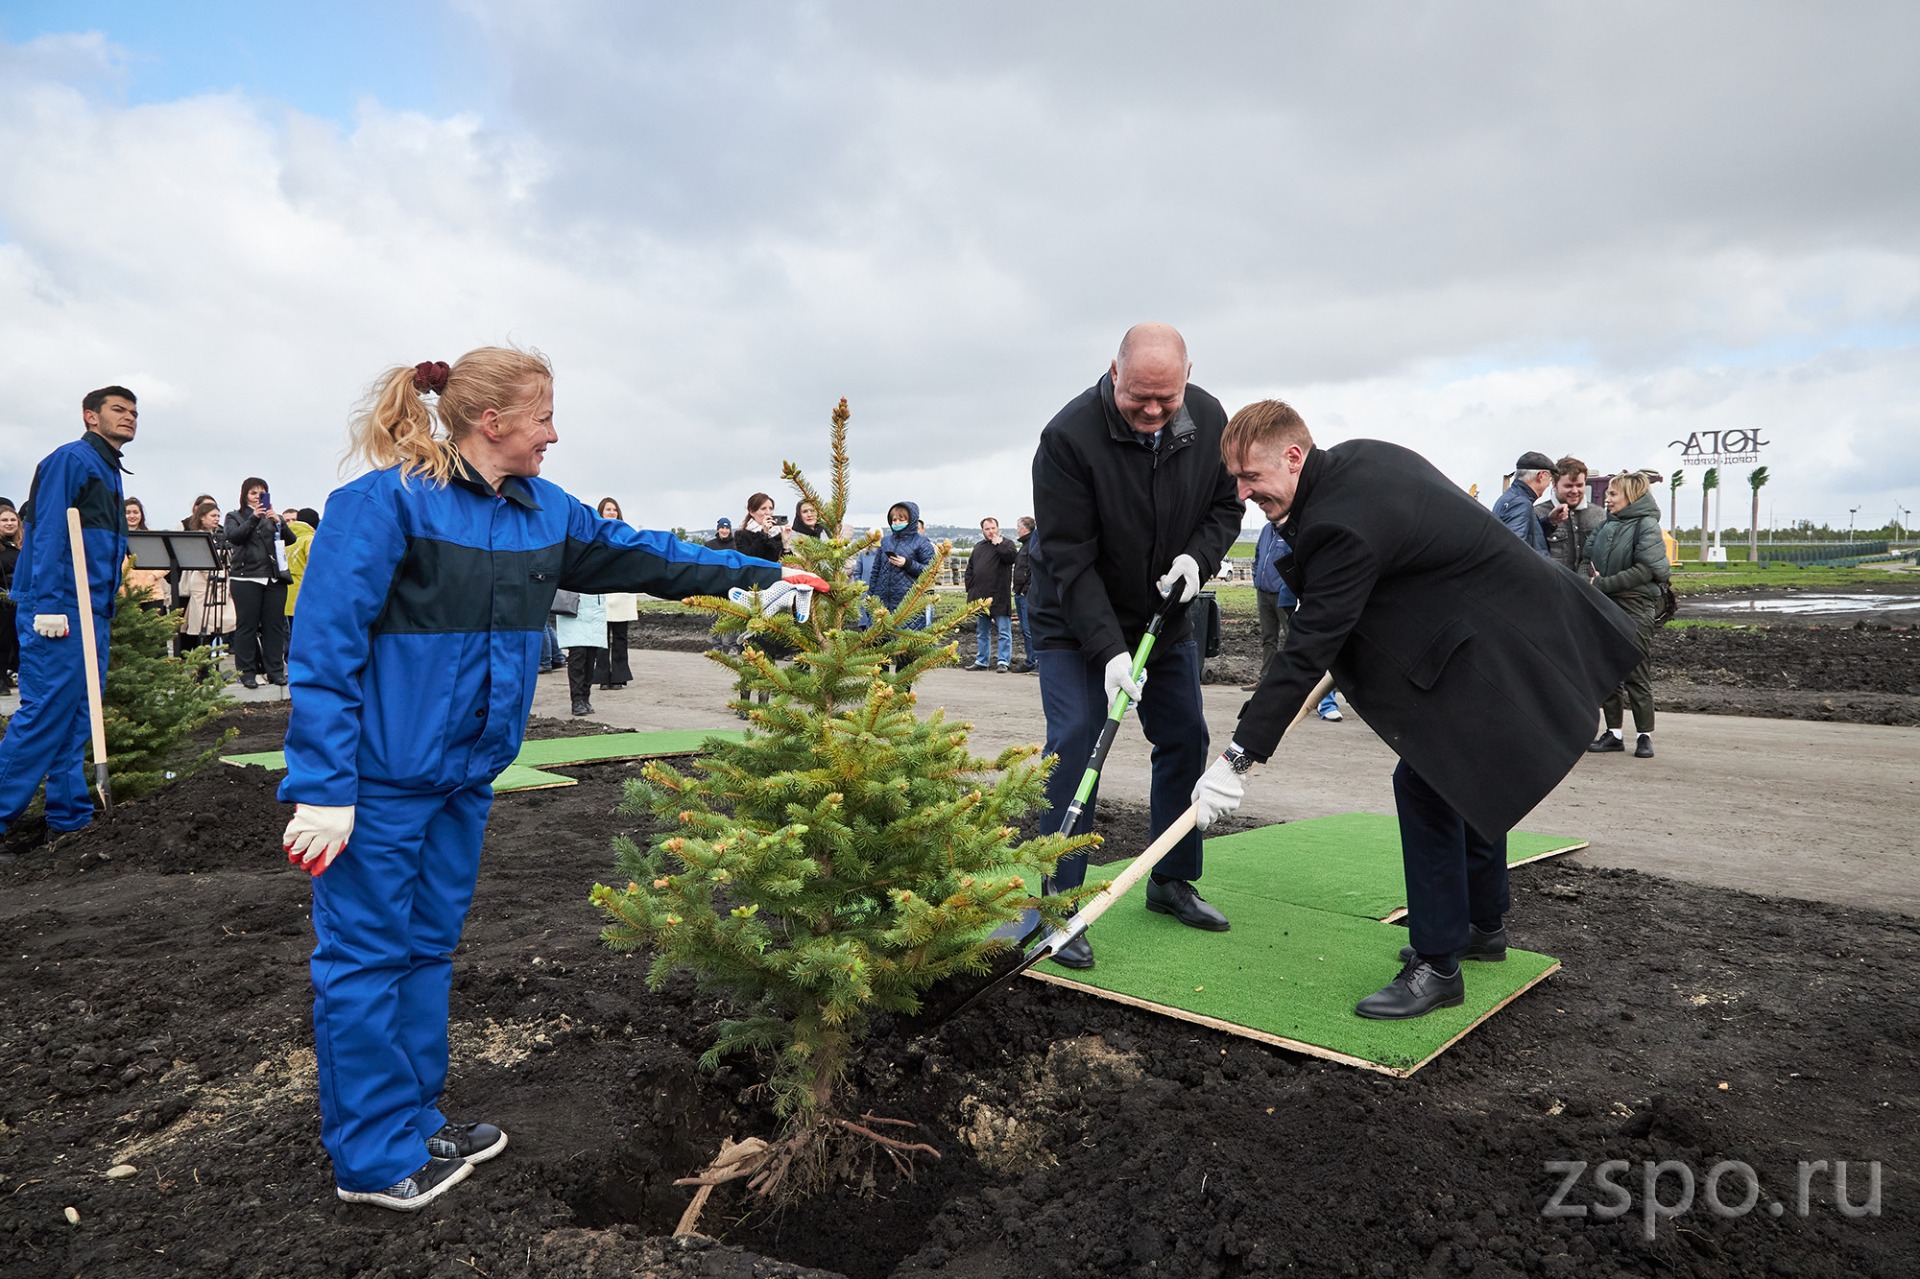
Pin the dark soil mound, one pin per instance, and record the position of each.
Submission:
(156, 1005)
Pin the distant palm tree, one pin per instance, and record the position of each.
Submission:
(1674, 482)
(1708, 483)
(1756, 481)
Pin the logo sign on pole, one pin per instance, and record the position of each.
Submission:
(1739, 446)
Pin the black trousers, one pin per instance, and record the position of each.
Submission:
(580, 663)
(1456, 876)
(610, 666)
(260, 628)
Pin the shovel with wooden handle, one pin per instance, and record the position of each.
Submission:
(83, 592)
(954, 998)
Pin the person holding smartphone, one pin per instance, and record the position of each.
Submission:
(257, 580)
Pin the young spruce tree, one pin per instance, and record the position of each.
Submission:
(845, 856)
(154, 701)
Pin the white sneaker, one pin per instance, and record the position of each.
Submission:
(410, 1194)
(1333, 716)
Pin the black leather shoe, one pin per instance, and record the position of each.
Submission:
(582, 708)
(1077, 953)
(1417, 991)
(249, 681)
(1176, 897)
(278, 677)
(1488, 948)
(1606, 742)
(1644, 750)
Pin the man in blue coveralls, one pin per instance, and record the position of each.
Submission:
(47, 736)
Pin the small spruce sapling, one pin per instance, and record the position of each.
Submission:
(154, 701)
(845, 856)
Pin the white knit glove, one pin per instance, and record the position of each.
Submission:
(316, 835)
(1217, 793)
(1185, 573)
(1120, 679)
(50, 625)
(778, 598)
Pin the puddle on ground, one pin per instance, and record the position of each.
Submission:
(1811, 604)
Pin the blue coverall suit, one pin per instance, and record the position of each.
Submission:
(421, 616)
(47, 736)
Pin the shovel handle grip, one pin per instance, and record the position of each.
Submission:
(1142, 865)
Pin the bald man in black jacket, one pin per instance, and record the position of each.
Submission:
(1480, 663)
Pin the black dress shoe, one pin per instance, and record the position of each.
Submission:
(1176, 897)
(1417, 991)
(248, 681)
(1487, 948)
(1077, 953)
(1644, 750)
(278, 677)
(1606, 742)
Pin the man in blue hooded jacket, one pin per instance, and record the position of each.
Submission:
(47, 736)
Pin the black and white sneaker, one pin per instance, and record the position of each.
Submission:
(411, 1194)
(475, 1143)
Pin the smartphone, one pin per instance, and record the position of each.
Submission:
(779, 521)
(266, 500)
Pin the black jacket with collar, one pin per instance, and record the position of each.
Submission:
(1480, 663)
(990, 574)
(1113, 514)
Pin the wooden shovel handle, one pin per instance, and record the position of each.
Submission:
(83, 595)
(1145, 862)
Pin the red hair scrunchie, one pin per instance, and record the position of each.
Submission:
(431, 375)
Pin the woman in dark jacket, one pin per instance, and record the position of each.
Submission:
(1627, 562)
(761, 538)
(806, 520)
(9, 639)
(611, 668)
(258, 580)
(905, 553)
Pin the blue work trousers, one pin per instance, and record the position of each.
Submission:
(1073, 695)
(1026, 629)
(386, 917)
(985, 628)
(47, 736)
(1455, 874)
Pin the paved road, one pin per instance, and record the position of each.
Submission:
(1825, 812)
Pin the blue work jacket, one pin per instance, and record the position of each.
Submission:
(84, 473)
(421, 615)
(1266, 565)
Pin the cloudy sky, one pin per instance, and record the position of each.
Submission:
(1473, 229)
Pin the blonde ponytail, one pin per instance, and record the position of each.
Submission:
(396, 427)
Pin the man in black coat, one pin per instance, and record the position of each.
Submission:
(990, 578)
(1476, 660)
(1137, 509)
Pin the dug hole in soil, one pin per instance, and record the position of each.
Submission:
(155, 1010)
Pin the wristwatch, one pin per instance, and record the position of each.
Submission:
(1236, 758)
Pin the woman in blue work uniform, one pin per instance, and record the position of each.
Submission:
(426, 592)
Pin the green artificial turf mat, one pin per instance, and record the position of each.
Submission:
(1286, 975)
(524, 774)
(1348, 863)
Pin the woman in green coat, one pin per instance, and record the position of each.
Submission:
(1627, 561)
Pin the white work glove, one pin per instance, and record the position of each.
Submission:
(1184, 573)
(777, 598)
(1120, 679)
(50, 625)
(316, 835)
(1217, 793)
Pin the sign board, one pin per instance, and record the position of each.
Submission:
(1738, 446)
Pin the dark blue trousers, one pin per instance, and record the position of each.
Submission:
(1073, 695)
(1456, 876)
(47, 736)
(386, 917)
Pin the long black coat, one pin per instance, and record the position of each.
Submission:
(1480, 663)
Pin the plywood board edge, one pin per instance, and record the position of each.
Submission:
(1228, 1027)
(1551, 852)
(1475, 1023)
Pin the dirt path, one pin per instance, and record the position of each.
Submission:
(1820, 811)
